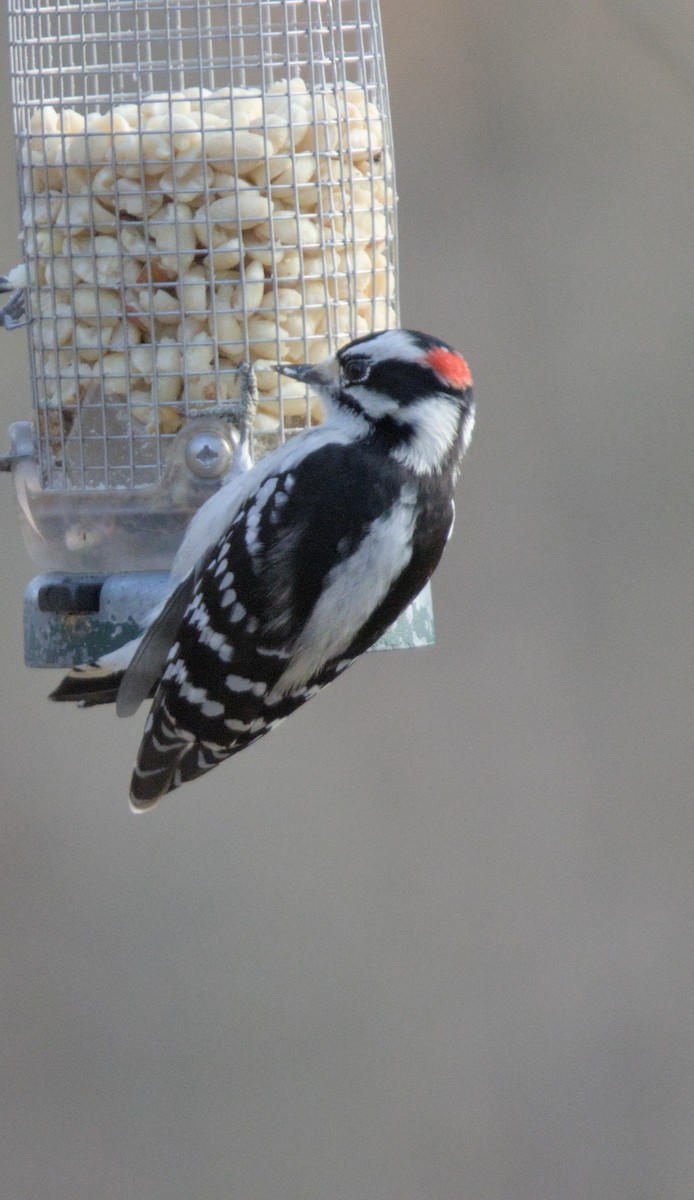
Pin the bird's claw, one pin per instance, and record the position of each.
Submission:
(249, 402)
(242, 411)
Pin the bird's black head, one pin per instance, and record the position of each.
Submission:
(412, 390)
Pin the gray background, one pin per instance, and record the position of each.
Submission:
(433, 939)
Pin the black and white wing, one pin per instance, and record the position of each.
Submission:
(308, 574)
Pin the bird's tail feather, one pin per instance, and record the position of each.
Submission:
(97, 682)
(87, 686)
(157, 760)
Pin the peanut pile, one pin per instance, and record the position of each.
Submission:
(168, 241)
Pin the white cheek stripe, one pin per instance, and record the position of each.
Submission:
(375, 404)
(434, 421)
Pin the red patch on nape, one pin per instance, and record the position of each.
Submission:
(450, 367)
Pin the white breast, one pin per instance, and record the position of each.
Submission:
(353, 589)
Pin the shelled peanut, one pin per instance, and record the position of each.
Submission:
(166, 242)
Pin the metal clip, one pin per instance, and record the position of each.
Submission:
(13, 315)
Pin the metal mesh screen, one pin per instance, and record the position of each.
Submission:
(201, 184)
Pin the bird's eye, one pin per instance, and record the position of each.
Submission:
(355, 370)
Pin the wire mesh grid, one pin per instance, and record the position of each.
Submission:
(201, 185)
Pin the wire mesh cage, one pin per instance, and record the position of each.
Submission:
(202, 183)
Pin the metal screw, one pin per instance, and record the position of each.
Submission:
(208, 454)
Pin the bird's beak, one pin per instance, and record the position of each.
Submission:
(321, 376)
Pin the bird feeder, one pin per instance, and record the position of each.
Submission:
(206, 189)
